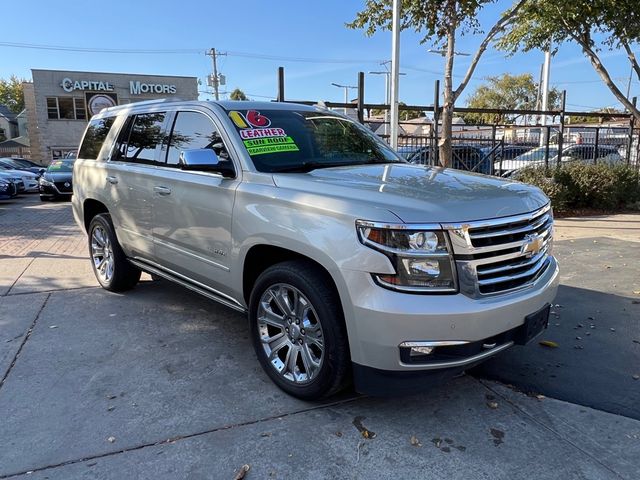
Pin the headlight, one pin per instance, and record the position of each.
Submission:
(422, 258)
(45, 182)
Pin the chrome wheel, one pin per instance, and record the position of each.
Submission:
(290, 333)
(102, 254)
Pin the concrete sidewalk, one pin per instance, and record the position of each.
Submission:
(161, 383)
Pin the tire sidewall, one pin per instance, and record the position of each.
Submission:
(330, 316)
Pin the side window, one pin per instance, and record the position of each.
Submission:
(193, 130)
(139, 137)
(95, 135)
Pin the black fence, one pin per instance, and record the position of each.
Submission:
(500, 149)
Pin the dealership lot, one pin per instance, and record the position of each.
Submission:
(161, 383)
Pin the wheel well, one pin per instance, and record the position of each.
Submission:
(91, 208)
(261, 257)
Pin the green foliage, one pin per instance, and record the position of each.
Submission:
(238, 94)
(11, 93)
(580, 185)
(541, 21)
(431, 17)
(506, 92)
(403, 115)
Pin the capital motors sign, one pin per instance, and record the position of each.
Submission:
(135, 87)
(139, 88)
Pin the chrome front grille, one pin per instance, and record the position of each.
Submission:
(502, 255)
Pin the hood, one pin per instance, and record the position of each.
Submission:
(58, 176)
(419, 194)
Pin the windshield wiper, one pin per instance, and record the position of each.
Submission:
(305, 167)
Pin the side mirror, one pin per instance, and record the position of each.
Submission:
(205, 160)
(42, 170)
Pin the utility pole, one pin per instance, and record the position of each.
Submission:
(545, 92)
(215, 80)
(395, 71)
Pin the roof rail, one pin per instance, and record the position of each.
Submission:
(145, 102)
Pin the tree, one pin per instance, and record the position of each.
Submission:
(441, 21)
(593, 24)
(11, 94)
(238, 94)
(508, 92)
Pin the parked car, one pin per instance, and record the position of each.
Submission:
(56, 182)
(29, 179)
(505, 152)
(571, 153)
(349, 261)
(8, 176)
(21, 164)
(8, 189)
(465, 157)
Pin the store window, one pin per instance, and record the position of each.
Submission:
(66, 108)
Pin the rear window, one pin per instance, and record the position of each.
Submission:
(282, 140)
(97, 131)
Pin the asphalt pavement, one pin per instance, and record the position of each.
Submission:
(161, 383)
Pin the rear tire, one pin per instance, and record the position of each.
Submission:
(298, 330)
(110, 265)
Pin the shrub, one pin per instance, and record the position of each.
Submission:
(580, 185)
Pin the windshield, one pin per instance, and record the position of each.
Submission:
(537, 154)
(290, 141)
(60, 166)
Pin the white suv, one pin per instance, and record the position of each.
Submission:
(350, 262)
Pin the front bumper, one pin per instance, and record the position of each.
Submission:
(52, 191)
(381, 320)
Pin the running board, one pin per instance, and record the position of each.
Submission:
(201, 289)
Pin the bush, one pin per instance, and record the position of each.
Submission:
(580, 185)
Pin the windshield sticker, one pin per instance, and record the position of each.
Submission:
(253, 124)
(259, 146)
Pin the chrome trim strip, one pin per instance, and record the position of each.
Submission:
(507, 278)
(500, 233)
(399, 226)
(496, 222)
(460, 363)
(187, 282)
(512, 266)
(441, 343)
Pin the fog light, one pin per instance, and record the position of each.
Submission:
(422, 266)
(421, 351)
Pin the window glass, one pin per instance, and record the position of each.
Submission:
(80, 110)
(192, 130)
(60, 166)
(65, 105)
(52, 108)
(139, 137)
(96, 132)
(285, 140)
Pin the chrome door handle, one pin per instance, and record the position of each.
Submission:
(160, 190)
(112, 180)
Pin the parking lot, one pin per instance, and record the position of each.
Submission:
(161, 383)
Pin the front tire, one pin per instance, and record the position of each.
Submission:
(298, 330)
(110, 265)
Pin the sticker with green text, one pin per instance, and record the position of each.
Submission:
(259, 146)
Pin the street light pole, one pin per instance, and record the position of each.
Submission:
(545, 93)
(346, 93)
(395, 71)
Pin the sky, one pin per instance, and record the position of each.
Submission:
(309, 39)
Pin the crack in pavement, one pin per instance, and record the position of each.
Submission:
(24, 341)
(53, 290)
(19, 277)
(181, 437)
(549, 429)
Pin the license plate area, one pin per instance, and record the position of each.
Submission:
(534, 325)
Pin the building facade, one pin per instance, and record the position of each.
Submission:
(59, 104)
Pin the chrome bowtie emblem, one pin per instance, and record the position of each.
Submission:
(532, 245)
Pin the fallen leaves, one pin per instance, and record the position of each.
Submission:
(548, 343)
(492, 405)
(244, 469)
(414, 441)
(111, 439)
